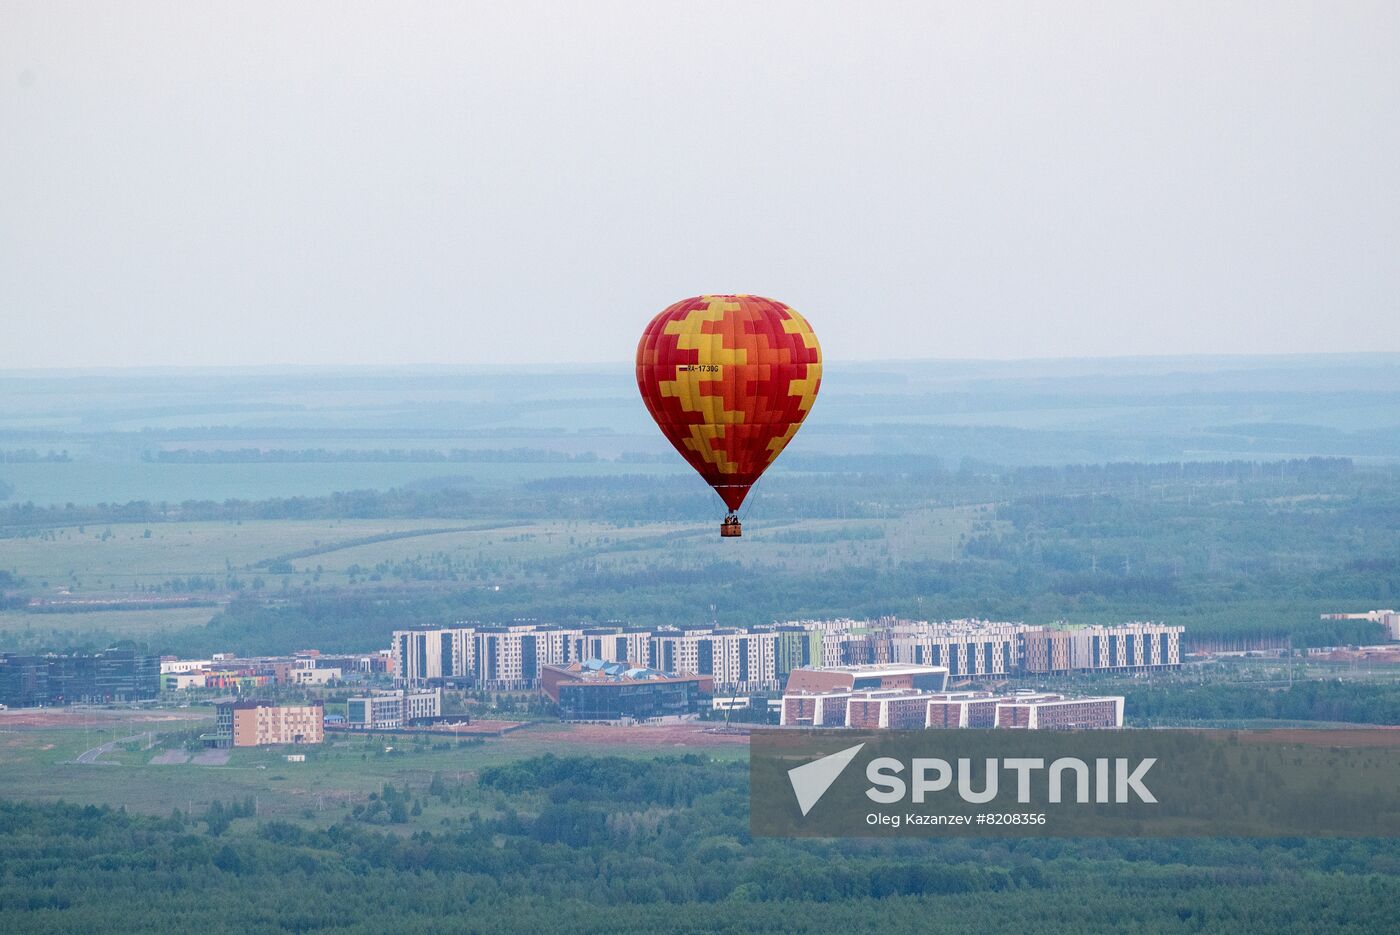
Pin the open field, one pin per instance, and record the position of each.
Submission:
(84, 560)
(40, 748)
(810, 545)
(124, 557)
(18, 628)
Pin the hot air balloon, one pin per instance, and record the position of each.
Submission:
(729, 379)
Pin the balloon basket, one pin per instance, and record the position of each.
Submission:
(730, 529)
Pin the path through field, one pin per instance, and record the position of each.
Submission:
(93, 756)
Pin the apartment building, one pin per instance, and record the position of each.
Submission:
(260, 724)
(966, 647)
(761, 658)
(742, 660)
(1122, 647)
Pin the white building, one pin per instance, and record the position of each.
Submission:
(392, 710)
(171, 666)
(1386, 618)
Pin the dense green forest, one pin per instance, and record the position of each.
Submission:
(603, 844)
(1352, 702)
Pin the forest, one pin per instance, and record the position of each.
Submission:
(595, 844)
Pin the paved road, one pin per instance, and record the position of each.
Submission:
(91, 757)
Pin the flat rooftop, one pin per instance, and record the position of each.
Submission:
(879, 668)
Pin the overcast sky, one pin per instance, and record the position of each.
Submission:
(248, 183)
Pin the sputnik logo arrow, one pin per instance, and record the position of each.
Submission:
(811, 780)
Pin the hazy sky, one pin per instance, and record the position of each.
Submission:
(249, 183)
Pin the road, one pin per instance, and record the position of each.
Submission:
(93, 756)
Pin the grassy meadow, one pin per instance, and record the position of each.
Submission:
(40, 764)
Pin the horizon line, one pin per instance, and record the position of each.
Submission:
(283, 367)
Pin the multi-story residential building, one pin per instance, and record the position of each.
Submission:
(741, 660)
(835, 651)
(261, 723)
(1046, 651)
(1127, 646)
(421, 656)
(616, 644)
(760, 658)
(796, 647)
(495, 657)
(511, 657)
(966, 647)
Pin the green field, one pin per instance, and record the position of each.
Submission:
(67, 629)
(40, 764)
(329, 553)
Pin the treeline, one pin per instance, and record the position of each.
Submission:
(355, 504)
(1276, 604)
(593, 844)
(1096, 476)
(31, 456)
(831, 493)
(354, 455)
(1350, 702)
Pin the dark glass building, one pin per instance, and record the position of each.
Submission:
(111, 675)
(594, 690)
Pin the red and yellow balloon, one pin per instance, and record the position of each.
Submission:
(729, 379)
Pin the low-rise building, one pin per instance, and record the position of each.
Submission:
(170, 664)
(909, 708)
(239, 679)
(261, 723)
(182, 681)
(1386, 618)
(1061, 713)
(308, 672)
(78, 678)
(877, 676)
(619, 692)
(897, 709)
(392, 710)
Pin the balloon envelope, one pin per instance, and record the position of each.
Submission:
(729, 379)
